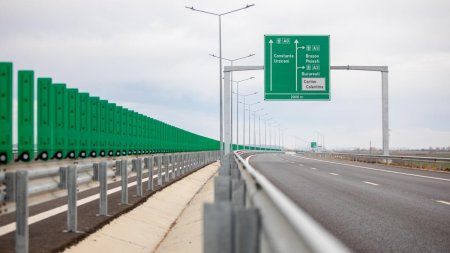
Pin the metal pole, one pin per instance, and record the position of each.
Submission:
(220, 78)
(71, 173)
(231, 107)
(249, 126)
(259, 130)
(254, 129)
(385, 111)
(148, 163)
(270, 134)
(124, 182)
(138, 168)
(227, 113)
(159, 160)
(21, 211)
(243, 122)
(279, 136)
(237, 115)
(265, 133)
(102, 178)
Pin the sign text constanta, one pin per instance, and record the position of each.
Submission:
(296, 67)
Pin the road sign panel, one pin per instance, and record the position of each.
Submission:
(297, 67)
(313, 144)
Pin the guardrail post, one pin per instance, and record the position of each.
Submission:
(148, 163)
(217, 227)
(96, 176)
(21, 182)
(117, 172)
(222, 188)
(102, 178)
(72, 215)
(180, 164)
(166, 168)
(170, 166)
(124, 182)
(246, 227)
(63, 177)
(238, 192)
(10, 179)
(183, 164)
(159, 159)
(137, 165)
(234, 171)
(177, 165)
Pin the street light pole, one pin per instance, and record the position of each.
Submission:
(237, 105)
(265, 131)
(231, 64)
(220, 64)
(254, 126)
(243, 114)
(249, 123)
(259, 131)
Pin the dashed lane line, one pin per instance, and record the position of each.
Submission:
(367, 182)
(443, 202)
(368, 168)
(334, 174)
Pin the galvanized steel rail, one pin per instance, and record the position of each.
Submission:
(23, 184)
(284, 216)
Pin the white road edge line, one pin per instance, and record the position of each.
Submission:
(367, 182)
(368, 168)
(443, 202)
(313, 168)
(334, 174)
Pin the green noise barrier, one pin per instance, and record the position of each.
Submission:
(72, 124)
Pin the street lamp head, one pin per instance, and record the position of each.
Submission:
(249, 5)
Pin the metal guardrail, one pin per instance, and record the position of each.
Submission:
(263, 219)
(164, 168)
(441, 163)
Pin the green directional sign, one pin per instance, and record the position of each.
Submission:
(313, 144)
(296, 67)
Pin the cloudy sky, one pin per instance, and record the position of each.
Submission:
(153, 57)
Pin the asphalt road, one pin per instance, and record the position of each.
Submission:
(369, 207)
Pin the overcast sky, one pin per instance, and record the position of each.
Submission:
(153, 57)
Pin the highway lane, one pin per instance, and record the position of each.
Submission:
(369, 208)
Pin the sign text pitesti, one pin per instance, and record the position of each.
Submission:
(296, 67)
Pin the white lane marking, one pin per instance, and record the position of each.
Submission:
(248, 158)
(300, 164)
(293, 162)
(334, 174)
(313, 168)
(443, 202)
(388, 171)
(367, 182)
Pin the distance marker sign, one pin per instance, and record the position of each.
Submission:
(296, 67)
